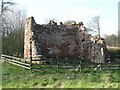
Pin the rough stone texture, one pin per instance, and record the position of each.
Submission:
(52, 40)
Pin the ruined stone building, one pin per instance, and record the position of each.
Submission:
(61, 41)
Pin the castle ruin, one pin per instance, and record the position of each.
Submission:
(61, 41)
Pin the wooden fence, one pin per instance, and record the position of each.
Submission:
(79, 66)
(15, 61)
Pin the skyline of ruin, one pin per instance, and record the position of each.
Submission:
(78, 10)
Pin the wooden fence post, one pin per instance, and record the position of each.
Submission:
(31, 54)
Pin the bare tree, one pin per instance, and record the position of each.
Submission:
(5, 6)
(12, 26)
(94, 25)
(13, 32)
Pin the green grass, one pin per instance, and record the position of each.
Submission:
(17, 77)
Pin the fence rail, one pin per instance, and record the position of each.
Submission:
(15, 61)
(31, 66)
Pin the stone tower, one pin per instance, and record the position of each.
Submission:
(28, 34)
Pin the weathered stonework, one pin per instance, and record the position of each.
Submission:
(60, 41)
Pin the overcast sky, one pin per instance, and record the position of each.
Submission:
(78, 10)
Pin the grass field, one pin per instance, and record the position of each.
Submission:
(17, 77)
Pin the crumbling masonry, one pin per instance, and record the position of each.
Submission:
(61, 41)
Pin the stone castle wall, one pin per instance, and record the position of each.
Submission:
(52, 40)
